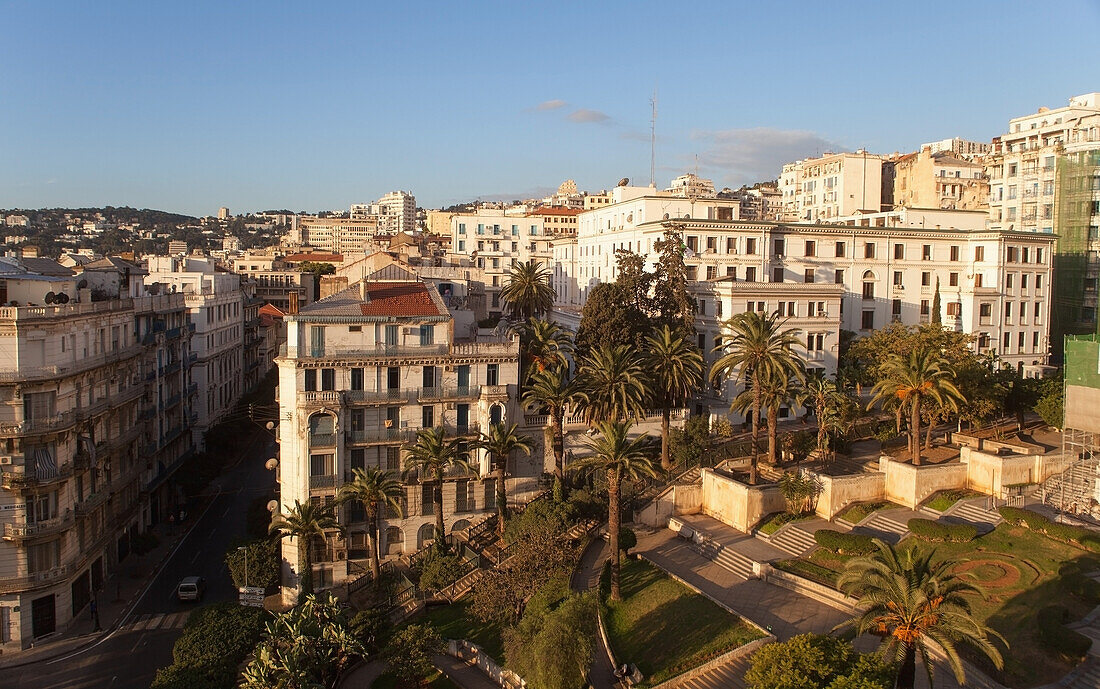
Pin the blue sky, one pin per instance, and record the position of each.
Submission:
(187, 106)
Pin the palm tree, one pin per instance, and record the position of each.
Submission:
(757, 349)
(612, 384)
(909, 381)
(545, 345)
(305, 522)
(772, 393)
(620, 459)
(556, 391)
(431, 456)
(528, 292)
(675, 367)
(826, 400)
(376, 490)
(912, 600)
(500, 442)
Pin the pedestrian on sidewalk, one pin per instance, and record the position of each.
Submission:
(94, 609)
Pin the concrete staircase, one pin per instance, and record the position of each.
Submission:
(793, 540)
(730, 675)
(1086, 676)
(881, 525)
(975, 512)
(731, 560)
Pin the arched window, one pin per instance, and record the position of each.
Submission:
(868, 285)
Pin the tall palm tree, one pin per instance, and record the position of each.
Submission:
(612, 384)
(910, 380)
(376, 490)
(675, 368)
(305, 522)
(432, 455)
(912, 600)
(545, 345)
(528, 292)
(555, 391)
(826, 400)
(619, 459)
(772, 393)
(757, 348)
(500, 442)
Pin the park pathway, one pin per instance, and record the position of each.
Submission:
(586, 577)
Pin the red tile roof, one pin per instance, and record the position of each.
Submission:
(316, 257)
(555, 210)
(399, 299)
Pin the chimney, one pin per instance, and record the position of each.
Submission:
(293, 310)
(331, 284)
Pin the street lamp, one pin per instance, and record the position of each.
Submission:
(245, 549)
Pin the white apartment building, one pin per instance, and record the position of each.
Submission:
(363, 370)
(1022, 167)
(992, 284)
(968, 150)
(335, 235)
(276, 283)
(834, 185)
(492, 240)
(691, 185)
(394, 212)
(95, 399)
(216, 305)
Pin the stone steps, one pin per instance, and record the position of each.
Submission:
(793, 540)
(974, 512)
(729, 675)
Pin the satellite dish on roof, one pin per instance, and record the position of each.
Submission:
(62, 298)
(50, 298)
(623, 182)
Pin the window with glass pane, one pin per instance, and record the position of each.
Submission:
(427, 334)
(356, 379)
(322, 465)
(328, 379)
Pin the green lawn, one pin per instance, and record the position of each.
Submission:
(665, 628)
(945, 499)
(438, 680)
(454, 621)
(854, 514)
(777, 520)
(1020, 572)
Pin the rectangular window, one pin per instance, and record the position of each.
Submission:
(328, 379)
(978, 280)
(393, 377)
(427, 416)
(356, 379)
(926, 252)
(492, 374)
(809, 275)
(954, 253)
(750, 245)
(777, 275)
(925, 279)
(779, 246)
(868, 322)
(953, 279)
(750, 274)
(322, 465)
(1038, 312)
(895, 308)
(311, 380)
(897, 278)
(868, 290)
(427, 335)
(899, 251)
(811, 247)
(979, 253)
(840, 249)
(838, 277)
(924, 310)
(393, 458)
(869, 250)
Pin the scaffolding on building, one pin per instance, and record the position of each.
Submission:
(1076, 280)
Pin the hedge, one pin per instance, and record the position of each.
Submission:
(1067, 533)
(938, 532)
(1065, 642)
(844, 543)
(215, 640)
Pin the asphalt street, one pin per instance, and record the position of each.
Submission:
(129, 657)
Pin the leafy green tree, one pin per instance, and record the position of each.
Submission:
(911, 600)
(317, 268)
(310, 645)
(799, 491)
(376, 490)
(691, 445)
(552, 647)
(429, 458)
(500, 442)
(1051, 404)
(910, 381)
(612, 384)
(772, 393)
(619, 459)
(258, 564)
(826, 399)
(528, 292)
(556, 391)
(409, 653)
(756, 349)
(869, 356)
(617, 313)
(937, 308)
(673, 306)
(675, 368)
(305, 522)
(816, 661)
(439, 571)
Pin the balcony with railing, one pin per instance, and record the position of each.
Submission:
(440, 393)
(319, 397)
(33, 581)
(28, 478)
(42, 529)
(86, 506)
(366, 351)
(81, 364)
(322, 440)
(48, 424)
(323, 481)
(404, 395)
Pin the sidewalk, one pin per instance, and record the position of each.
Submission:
(120, 592)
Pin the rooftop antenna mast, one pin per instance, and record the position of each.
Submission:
(653, 140)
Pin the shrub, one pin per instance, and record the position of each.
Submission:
(816, 661)
(627, 539)
(261, 560)
(1074, 535)
(370, 626)
(1065, 642)
(844, 543)
(938, 532)
(1075, 583)
(440, 571)
(410, 652)
(1012, 515)
(214, 642)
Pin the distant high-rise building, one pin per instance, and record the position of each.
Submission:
(395, 212)
(223, 213)
(960, 148)
(832, 186)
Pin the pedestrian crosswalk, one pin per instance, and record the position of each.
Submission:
(151, 621)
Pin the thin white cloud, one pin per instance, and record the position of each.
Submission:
(743, 156)
(554, 104)
(586, 116)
